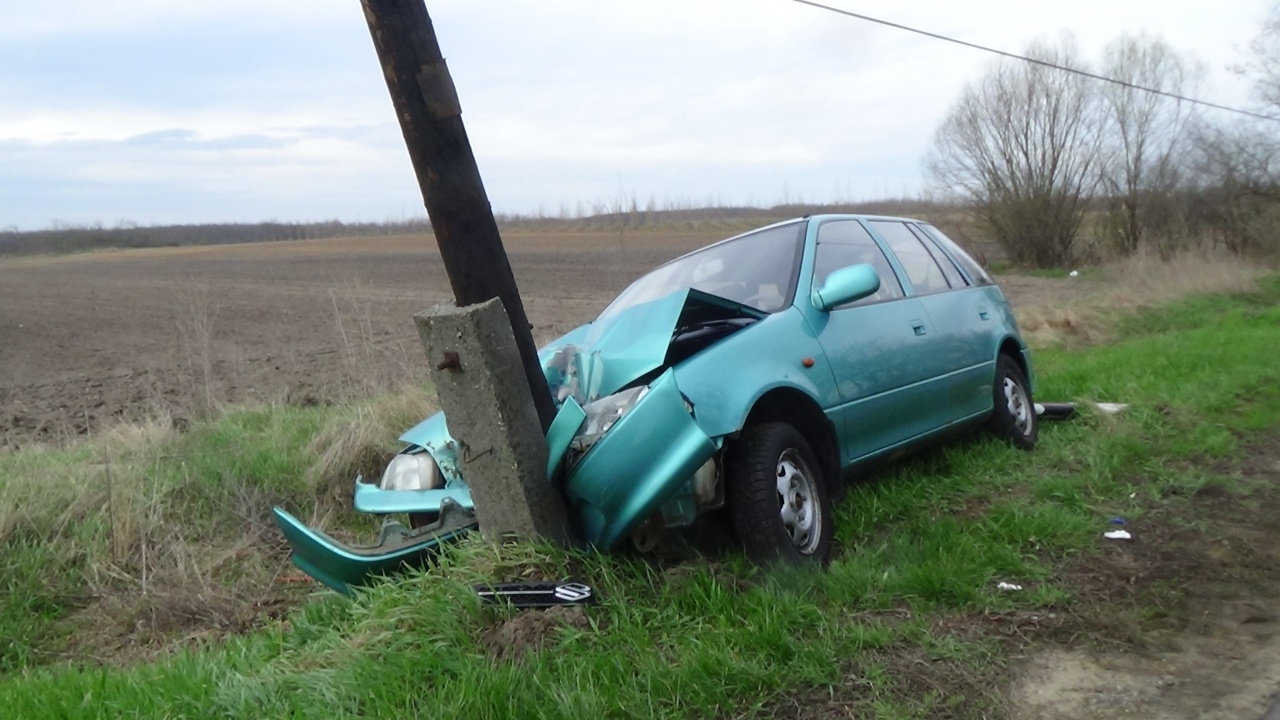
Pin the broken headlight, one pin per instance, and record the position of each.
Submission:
(411, 472)
(603, 413)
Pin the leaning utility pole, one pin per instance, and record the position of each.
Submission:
(431, 118)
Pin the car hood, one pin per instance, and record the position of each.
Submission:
(600, 358)
(616, 352)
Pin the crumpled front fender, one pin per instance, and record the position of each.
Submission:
(644, 459)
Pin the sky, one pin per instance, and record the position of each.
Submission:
(158, 112)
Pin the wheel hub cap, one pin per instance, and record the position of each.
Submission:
(1015, 400)
(798, 502)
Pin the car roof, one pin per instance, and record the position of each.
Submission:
(860, 216)
(806, 218)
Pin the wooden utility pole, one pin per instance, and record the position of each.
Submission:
(431, 118)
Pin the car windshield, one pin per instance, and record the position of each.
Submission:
(758, 270)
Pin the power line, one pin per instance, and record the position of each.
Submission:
(1035, 61)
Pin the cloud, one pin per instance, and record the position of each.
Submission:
(162, 111)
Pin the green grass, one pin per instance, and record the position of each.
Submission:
(919, 545)
(150, 518)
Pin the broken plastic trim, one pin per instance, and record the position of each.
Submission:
(344, 567)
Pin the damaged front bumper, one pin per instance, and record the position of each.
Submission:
(615, 483)
(372, 499)
(343, 567)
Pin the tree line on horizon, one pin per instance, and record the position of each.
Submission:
(607, 216)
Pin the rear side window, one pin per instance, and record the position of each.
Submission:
(970, 266)
(923, 272)
(842, 243)
(948, 267)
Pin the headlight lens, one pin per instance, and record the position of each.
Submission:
(603, 413)
(411, 472)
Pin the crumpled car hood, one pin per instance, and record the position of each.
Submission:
(598, 359)
(616, 352)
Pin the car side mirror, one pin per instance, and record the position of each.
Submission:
(847, 285)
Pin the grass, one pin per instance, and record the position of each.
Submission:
(889, 629)
(1093, 306)
(121, 544)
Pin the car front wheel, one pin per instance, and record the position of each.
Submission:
(777, 496)
(1013, 418)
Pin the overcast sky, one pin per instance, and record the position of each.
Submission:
(156, 111)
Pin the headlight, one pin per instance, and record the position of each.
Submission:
(603, 413)
(411, 472)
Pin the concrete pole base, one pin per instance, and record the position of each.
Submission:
(480, 380)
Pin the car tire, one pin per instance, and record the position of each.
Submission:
(770, 463)
(1013, 417)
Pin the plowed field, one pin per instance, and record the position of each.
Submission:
(88, 339)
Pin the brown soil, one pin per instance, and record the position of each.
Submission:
(531, 630)
(1180, 622)
(86, 340)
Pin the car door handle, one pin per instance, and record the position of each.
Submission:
(918, 326)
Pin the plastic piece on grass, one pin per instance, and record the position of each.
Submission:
(1056, 411)
(1007, 586)
(1117, 521)
(1111, 408)
(1117, 535)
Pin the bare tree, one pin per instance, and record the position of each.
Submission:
(1264, 64)
(1239, 164)
(1020, 147)
(1145, 139)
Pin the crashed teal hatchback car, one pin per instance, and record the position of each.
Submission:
(751, 375)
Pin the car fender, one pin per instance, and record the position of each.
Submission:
(725, 381)
(1014, 345)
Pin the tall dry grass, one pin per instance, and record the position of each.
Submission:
(1083, 314)
(360, 439)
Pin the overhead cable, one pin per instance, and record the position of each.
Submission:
(1036, 61)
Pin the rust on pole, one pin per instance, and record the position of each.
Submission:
(426, 104)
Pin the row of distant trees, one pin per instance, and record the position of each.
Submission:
(622, 214)
(1045, 158)
(64, 238)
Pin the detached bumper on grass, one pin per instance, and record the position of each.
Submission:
(343, 567)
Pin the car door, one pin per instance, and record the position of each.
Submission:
(961, 323)
(883, 349)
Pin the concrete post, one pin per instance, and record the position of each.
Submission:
(480, 379)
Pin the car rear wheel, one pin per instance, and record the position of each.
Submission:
(777, 496)
(1013, 419)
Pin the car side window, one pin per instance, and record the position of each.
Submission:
(921, 269)
(949, 269)
(842, 243)
(962, 258)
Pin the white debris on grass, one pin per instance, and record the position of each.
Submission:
(1007, 586)
(1117, 535)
